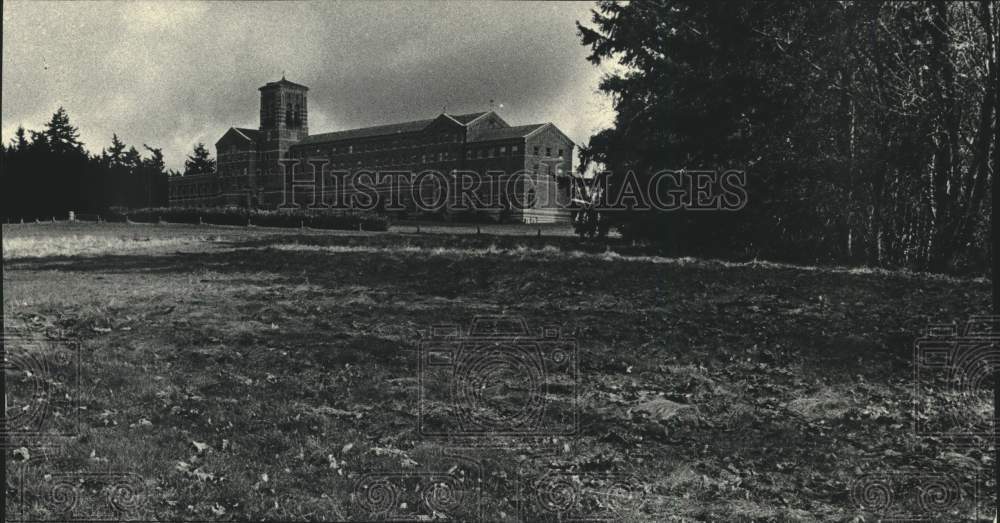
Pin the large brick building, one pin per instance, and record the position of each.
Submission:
(529, 164)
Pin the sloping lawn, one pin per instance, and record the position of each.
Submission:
(192, 373)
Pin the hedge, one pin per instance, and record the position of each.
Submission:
(312, 218)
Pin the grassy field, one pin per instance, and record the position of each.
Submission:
(226, 373)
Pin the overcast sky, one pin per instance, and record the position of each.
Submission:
(174, 73)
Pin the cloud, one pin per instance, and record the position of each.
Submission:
(160, 16)
(171, 74)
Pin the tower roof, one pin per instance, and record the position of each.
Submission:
(283, 83)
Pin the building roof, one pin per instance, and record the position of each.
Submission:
(283, 83)
(367, 132)
(251, 134)
(385, 130)
(466, 118)
(479, 135)
(504, 133)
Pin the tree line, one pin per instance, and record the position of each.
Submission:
(48, 173)
(867, 129)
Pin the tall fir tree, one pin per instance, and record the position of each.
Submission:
(199, 162)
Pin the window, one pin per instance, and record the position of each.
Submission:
(350, 149)
(536, 150)
(513, 149)
(560, 152)
(493, 152)
(482, 153)
(468, 154)
(503, 150)
(548, 151)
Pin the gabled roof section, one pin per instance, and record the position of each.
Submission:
(247, 135)
(250, 134)
(464, 119)
(367, 132)
(282, 83)
(447, 118)
(554, 128)
(483, 117)
(505, 133)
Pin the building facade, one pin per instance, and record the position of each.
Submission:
(521, 173)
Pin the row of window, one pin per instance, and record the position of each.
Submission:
(440, 156)
(399, 143)
(548, 151)
(491, 152)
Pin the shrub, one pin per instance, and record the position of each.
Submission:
(293, 218)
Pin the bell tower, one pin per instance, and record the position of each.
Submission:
(284, 120)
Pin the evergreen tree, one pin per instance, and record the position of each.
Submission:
(115, 153)
(20, 141)
(199, 162)
(132, 159)
(864, 128)
(155, 161)
(61, 136)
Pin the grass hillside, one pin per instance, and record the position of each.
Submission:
(196, 372)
